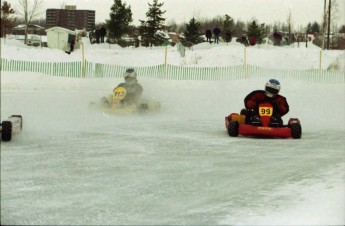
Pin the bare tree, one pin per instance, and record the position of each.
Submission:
(289, 26)
(29, 9)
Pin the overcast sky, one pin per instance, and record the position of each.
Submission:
(181, 11)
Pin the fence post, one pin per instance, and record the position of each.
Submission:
(82, 60)
(320, 59)
(165, 61)
(245, 63)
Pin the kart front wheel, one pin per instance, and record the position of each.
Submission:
(233, 128)
(296, 130)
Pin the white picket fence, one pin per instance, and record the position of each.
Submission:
(88, 69)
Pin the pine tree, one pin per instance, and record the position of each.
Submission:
(256, 32)
(120, 18)
(315, 28)
(192, 34)
(7, 21)
(263, 33)
(155, 22)
(228, 26)
(143, 31)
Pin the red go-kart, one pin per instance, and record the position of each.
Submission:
(236, 125)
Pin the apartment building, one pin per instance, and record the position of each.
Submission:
(71, 18)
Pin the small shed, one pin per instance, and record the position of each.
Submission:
(60, 38)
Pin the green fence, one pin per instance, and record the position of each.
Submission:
(170, 72)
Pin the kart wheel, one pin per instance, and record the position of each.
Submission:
(296, 130)
(243, 111)
(143, 107)
(6, 131)
(233, 128)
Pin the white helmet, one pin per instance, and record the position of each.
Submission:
(272, 88)
(130, 75)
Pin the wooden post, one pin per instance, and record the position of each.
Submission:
(165, 61)
(245, 62)
(82, 60)
(320, 59)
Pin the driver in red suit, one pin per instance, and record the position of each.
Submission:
(270, 95)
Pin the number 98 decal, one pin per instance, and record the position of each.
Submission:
(265, 111)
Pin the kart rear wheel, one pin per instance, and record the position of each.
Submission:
(233, 128)
(296, 130)
(6, 131)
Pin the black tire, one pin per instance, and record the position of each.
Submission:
(6, 131)
(296, 130)
(243, 111)
(233, 128)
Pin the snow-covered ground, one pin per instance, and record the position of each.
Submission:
(73, 165)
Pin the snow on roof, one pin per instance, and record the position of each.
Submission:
(61, 29)
(22, 26)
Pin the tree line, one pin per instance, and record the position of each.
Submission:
(121, 18)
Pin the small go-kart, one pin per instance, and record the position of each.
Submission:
(114, 104)
(236, 124)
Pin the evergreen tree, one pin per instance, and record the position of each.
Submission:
(263, 33)
(192, 33)
(315, 28)
(143, 32)
(228, 26)
(120, 18)
(155, 22)
(7, 21)
(256, 32)
(309, 28)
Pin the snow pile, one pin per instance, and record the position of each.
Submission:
(178, 166)
(201, 55)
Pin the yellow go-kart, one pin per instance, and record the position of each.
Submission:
(117, 103)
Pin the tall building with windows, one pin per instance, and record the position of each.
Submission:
(71, 18)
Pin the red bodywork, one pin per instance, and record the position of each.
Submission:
(265, 112)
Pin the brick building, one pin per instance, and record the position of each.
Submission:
(71, 18)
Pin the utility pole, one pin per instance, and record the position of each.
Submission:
(329, 22)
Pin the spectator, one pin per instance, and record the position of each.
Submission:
(208, 36)
(103, 33)
(228, 36)
(216, 33)
(92, 36)
(98, 35)
(277, 38)
(244, 40)
(71, 47)
(252, 41)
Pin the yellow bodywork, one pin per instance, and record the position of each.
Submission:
(240, 118)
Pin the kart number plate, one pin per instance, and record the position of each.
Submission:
(119, 93)
(265, 111)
